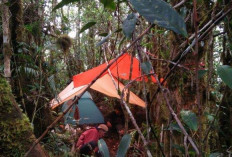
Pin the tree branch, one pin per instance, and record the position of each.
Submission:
(179, 4)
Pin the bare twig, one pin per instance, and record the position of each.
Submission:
(179, 122)
(133, 119)
(179, 4)
(203, 28)
(168, 61)
(107, 63)
(144, 95)
(77, 98)
(185, 52)
(147, 116)
(186, 146)
(221, 33)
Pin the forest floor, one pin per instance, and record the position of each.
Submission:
(112, 140)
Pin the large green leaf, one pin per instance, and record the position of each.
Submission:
(124, 145)
(128, 25)
(160, 13)
(87, 26)
(63, 3)
(190, 119)
(103, 148)
(110, 4)
(225, 73)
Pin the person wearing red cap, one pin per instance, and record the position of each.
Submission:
(87, 142)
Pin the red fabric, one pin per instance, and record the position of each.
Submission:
(119, 69)
(88, 136)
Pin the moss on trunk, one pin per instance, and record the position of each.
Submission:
(16, 131)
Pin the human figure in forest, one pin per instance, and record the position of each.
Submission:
(87, 142)
(115, 120)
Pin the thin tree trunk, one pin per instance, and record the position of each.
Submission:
(7, 51)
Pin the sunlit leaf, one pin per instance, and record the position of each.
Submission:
(190, 119)
(103, 149)
(110, 4)
(124, 145)
(87, 26)
(160, 13)
(128, 25)
(63, 3)
(225, 73)
(146, 67)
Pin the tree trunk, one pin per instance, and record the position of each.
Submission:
(16, 131)
(7, 51)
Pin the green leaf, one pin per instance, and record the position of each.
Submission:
(124, 145)
(174, 126)
(225, 73)
(217, 154)
(146, 67)
(63, 3)
(190, 119)
(51, 81)
(87, 26)
(110, 4)
(103, 148)
(128, 25)
(201, 73)
(210, 117)
(7, 4)
(160, 13)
